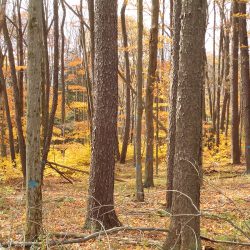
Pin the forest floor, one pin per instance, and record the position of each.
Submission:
(225, 193)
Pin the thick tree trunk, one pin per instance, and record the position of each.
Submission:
(138, 144)
(34, 168)
(128, 79)
(173, 101)
(21, 140)
(100, 211)
(245, 78)
(149, 105)
(185, 221)
(234, 85)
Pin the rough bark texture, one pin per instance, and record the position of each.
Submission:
(172, 101)
(245, 78)
(18, 119)
(149, 105)
(234, 85)
(139, 80)
(100, 211)
(128, 79)
(185, 221)
(33, 162)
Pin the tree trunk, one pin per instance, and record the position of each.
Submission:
(7, 110)
(173, 101)
(245, 78)
(234, 85)
(21, 140)
(55, 87)
(62, 66)
(226, 78)
(34, 169)
(138, 144)
(128, 79)
(149, 105)
(20, 57)
(100, 211)
(185, 221)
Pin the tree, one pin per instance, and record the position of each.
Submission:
(185, 221)
(33, 162)
(128, 79)
(7, 108)
(234, 84)
(138, 161)
(173, 100)
(245, 78)
(100, 211)
(17, 100)
(49, 129)
(151, 78)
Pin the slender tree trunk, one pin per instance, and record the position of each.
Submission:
(46, 71)
(20, 43)
(3, 148)
(55, 87)
(226, 78)
(138, 144)
(220, 74)
(245, 78)
(185, 221)
(34, 168)
(214, 68)
(234, 84)
(91, 7)
(128, 79)
(7, 110)
(149, 105)
(173, 101)
(100, 211)
(21, 140)
(62, 66)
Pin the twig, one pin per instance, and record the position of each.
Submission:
(109, 231)
(61, 173)
(75, 169)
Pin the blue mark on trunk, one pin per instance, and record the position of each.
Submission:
(33, 184)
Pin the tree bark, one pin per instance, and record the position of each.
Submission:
(33, 163)
(234, 84)
(173, 101)
(245, 78)
(100, 211)
(185, 221)
(139, 80)
(149, 105)
(128, 79)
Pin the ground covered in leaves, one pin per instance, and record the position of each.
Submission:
(225, 199)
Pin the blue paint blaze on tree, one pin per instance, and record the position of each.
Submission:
(33, 184)
(248, 147)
